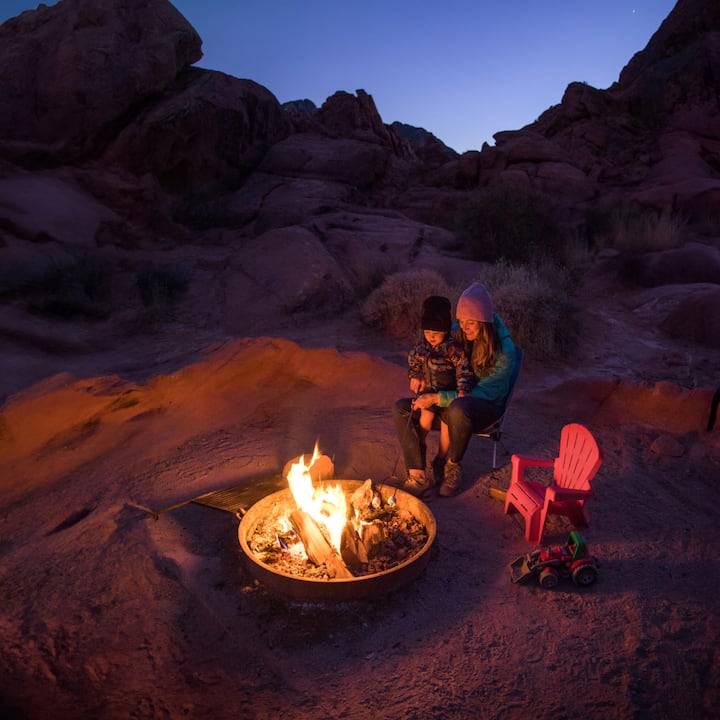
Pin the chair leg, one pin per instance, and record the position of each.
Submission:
(576, 514)
(534, 526)
(519, 499)
(539, 528)
(495, 454)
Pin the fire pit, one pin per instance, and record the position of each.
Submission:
(335, 580)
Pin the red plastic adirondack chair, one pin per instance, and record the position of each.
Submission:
(573, 470)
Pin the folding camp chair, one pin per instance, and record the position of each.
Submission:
(494, 432)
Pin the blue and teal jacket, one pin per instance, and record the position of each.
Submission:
(495, 385)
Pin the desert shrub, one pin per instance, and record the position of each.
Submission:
(162, 285)
(533, 299)
(629, 226)
(395, 306)
(577, 254)
(509, 221)
(78, 288)
(374, 277)
(535, 303)
(708, 223)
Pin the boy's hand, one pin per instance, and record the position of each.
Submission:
(417, 385)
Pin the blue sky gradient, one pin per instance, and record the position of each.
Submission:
(461, 69)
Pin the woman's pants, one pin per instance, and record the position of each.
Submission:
(464, 416)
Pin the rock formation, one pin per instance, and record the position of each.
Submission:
(652, 137)
(74, 74)
(116, 152)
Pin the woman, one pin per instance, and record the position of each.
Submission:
(491, 351)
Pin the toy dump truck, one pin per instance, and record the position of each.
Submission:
(548, 565)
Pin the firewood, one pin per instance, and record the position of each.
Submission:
(352, 549)
(373, 537)
(366, 501)
(317, 547)
(322, 469)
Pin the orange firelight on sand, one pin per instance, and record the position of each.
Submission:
(327, 506)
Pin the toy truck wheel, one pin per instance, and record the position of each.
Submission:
(549, 578)
(584, 575)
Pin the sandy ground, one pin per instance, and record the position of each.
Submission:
(109, 611)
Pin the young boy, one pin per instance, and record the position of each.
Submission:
(436, 363)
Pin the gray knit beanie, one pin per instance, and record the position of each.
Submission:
(475, 304)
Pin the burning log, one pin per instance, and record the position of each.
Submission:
(322, 468)
(352, 548)
(373, 536)
(317, 547)
(361, 547)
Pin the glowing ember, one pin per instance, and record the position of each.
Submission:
(327, 506)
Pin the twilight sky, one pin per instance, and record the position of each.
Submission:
(461, 69)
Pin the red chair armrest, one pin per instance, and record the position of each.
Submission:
(523, 461)
(538, 462)
(558, 494)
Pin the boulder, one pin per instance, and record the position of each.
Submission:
(696, 317)
(347, 115)
(203, 137)
(692, 263)
(356, 162)
(431, 150)
(70, 215)
(281, 272)
(89, 64)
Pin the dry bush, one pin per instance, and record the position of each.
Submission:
(535, 304)
(396, 305)
(532, 299)
(78, 288)
(666, 231)
(161, 287)
(509, 221)
(577, 255)
(629, 227)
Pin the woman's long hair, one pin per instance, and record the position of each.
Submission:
(485, 347)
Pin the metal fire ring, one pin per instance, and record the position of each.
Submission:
(293, 587)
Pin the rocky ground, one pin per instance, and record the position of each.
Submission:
(123, 599)
(110, 611)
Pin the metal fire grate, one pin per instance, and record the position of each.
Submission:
(235, 499)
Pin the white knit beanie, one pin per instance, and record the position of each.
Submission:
(475, 304)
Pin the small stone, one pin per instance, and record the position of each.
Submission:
(667, 446)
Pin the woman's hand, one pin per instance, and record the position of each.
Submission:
(422, 402)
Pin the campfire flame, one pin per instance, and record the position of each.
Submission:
(327, 506)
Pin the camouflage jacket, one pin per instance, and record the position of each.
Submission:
(443, 367)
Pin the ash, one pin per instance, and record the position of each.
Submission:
(403, 536)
